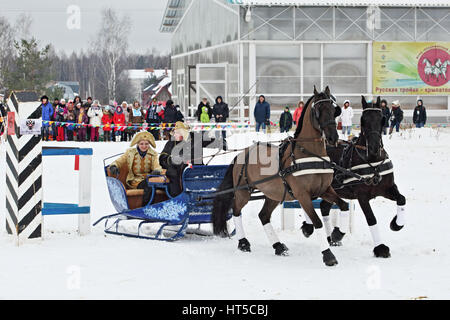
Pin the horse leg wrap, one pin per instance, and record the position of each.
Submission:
(375, 235)
(327, 224)
(401, 215)
(322, 238)
(271, 235)
(307, 219)
(240, 234)
(343, 221)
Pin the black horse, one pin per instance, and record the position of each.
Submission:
(365, 156)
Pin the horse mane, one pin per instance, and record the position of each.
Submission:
(302, 117)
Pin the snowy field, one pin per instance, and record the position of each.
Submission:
(99, 266)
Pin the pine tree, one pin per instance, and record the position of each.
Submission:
(30, 69)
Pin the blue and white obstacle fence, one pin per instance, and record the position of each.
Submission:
(288, 210)
(83, 207)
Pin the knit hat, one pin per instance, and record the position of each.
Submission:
(44, 97)
(144, 135)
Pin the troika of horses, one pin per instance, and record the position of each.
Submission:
(313, 164)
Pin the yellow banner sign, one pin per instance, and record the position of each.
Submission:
(411, 68)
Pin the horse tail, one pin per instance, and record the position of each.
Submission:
(222, 203)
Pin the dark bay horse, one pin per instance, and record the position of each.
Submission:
(264, 161)
(366, 156)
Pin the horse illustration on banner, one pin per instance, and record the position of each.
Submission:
(437, 70)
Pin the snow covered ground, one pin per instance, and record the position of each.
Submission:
(99, 266)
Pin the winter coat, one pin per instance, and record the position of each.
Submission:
(347, 116)
(83, 118)
(152, 115)
(204, 117)
(107, 121)
(172, 114)
(297, 114)
(47, 113)
(95, 115)
(220, 109)
(396, 115)
(3, 112)
(135, 116)
(199, 111)
(175, 167)
(131, 158)
(60, 114)
(161, 113)
(386, 114)
(420, 115)
(2, 118)
(70, 118)
(262, 111)
(119, 120)
(286, 120)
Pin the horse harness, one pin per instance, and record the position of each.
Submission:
(303, 166)
(371, 172)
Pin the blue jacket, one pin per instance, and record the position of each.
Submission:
(262, 111)
(47, 113)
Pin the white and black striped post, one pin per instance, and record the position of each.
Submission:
(24, 172)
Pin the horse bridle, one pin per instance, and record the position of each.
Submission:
(377, 178)
(316, 113)
(372, 132)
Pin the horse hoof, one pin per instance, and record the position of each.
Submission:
(281, 249)
(394, 226)
(244, 245)
(382, 251)
(334, 244)
(328, 258)
(337, 235)
(307, 229)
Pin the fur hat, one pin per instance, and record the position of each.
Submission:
(181, 125)
(183, 129)
(144, 135)
(44, 97)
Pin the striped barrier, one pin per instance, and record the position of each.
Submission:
(23, 171)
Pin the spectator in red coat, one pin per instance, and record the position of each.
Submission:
(119, 123)
(107, 121)
(298, 112)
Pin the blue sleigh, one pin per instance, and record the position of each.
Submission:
(173, 214)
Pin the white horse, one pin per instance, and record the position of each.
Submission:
(428, 68)
(437, 69)
(444, 68)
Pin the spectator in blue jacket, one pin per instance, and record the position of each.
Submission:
(262, 113)
(47, 114)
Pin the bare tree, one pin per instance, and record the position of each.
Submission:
(111, 44)
(23, 27)
(7, 36)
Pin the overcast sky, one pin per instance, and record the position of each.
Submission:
(50, 21)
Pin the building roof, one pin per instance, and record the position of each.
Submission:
(175, 8)
(163, 81)
(173, 14)
(344, 3)
(142, 74)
